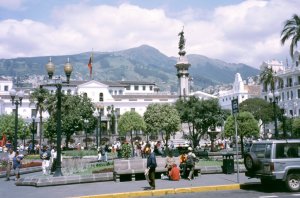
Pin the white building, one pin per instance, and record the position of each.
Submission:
(241, 90)
(288, 88)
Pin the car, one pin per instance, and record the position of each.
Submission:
(275, 161)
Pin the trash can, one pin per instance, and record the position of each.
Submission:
(228, 163)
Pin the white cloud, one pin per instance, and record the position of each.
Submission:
(11, 4)
(248, 32)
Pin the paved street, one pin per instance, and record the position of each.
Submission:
(234, 194)
(8, 189)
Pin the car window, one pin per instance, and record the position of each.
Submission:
(287, 150)
(262, 150)
(292, 150)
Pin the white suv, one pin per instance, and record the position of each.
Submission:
(275, 160)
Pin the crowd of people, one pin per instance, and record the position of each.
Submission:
(142, 149)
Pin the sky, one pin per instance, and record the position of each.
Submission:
(234, 31)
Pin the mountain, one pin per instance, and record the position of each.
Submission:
(142, 63)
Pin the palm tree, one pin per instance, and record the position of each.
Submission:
(291, 30)
(40, 95)
(268, 78)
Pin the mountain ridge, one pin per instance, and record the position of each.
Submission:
(143, 63)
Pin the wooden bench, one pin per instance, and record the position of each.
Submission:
(137, 166)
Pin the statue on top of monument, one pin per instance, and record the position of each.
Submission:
(181, 44)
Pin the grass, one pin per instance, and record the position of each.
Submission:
(79, 153)
(208, 162)
(96, 168)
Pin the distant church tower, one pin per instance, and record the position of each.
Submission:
(182, 67)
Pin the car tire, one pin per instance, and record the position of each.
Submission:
(293, 182)
(250, 161)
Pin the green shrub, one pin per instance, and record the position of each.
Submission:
(126, 151)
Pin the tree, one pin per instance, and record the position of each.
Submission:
(291, 30)
(75, 108)
(296, 128)
(129, 122)
(200, 115)
(7, 126)
(260, 109)
(40, 95)
(247, 126)
(162, 118)
(268, 78)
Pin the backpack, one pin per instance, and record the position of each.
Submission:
(190, 160)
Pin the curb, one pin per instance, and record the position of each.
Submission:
(162, 192)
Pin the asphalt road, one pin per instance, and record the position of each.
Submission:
(234, 194)
(255, 191)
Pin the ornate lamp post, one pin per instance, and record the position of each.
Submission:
(86, 122)
(273, 97)
(16, 99)
(50, 67)
(33, 131)
(99, 111)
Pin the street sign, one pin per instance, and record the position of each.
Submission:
(235, 106)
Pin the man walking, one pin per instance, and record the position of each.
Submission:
(45, 156)
(190, 162)
(11, 155)
(151, 165)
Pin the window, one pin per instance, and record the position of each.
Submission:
(287, 150)
(151, 88)
(85, 94)
(132, 109)
(289, 82)
(136, 87)
(6, 88)
(283, 95)
(101, 97)
(111, 91)
(287, 95)
(33, 113)
(117, 110)
(120, 92)
(127, 87)
(262, 150)
(292, 95)
(144, 88)
(69, 91)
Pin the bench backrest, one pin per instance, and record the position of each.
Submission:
(139, 164)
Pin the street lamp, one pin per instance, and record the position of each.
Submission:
(50, 67)
(33, 129)
(16, 99)
(273, 97)
(284, 115)
(99, 110)
(86, 122)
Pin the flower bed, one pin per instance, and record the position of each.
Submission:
(105, 170)
(25, 165)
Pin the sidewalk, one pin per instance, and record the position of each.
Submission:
(205, 182)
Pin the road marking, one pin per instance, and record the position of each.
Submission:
(296, 195)
(268, 196)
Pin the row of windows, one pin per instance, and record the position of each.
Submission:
(137, 88)
(289, 95)
(116, 92)
(230, 98)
